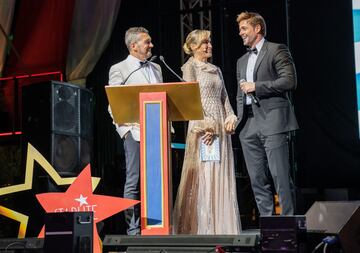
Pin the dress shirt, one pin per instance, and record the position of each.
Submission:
(251, 65)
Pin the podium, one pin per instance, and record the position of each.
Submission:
(154, 106)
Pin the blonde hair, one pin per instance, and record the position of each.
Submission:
(194, 39)
(254, 19)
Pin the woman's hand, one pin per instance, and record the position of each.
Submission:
(208, 138)
(230, 125)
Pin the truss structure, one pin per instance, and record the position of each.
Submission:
(195, 14)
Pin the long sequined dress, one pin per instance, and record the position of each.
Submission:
(206, 201)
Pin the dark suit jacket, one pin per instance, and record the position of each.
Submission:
(274, 77)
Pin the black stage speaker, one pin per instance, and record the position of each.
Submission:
(283, 233)
(57, 119)
(341, 218)
(70, 232)
(12, 245)
(245, 242)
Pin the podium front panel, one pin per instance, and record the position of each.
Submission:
(154, 166)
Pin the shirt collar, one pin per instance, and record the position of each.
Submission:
(133, 60)
(260, 44)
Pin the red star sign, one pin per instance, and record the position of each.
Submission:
(79, 197)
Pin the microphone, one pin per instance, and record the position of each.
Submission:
(251, 95)
(142, 64)
(153, 58)
(172, 71)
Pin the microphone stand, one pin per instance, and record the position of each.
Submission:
(141, 66)
(172, 71)
(123, 82)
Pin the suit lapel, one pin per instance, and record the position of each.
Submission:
(137, 77)
(243, 69)
(243, 74)
(259, 59)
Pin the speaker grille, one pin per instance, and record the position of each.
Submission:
(66, 109)
(58, 121)
(86, 116)
(65, 153)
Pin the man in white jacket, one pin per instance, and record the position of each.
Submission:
(138, 42)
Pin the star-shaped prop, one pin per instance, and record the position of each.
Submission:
(33, 156)
(79, 197)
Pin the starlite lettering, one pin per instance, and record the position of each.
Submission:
(84, 208)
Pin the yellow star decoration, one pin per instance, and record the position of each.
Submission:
(32, 156)
(23, 219)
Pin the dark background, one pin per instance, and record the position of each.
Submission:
(326, 149)
(320, 38)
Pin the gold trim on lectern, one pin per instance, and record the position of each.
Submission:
(184, 101)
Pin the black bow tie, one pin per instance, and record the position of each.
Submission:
(142, 63)
(252, 50)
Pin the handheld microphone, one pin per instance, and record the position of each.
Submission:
(251, 95)
(172, 71)
(153, 58)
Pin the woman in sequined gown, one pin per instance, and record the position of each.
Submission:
(206, 201)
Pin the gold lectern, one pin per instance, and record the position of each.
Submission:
(154, 106)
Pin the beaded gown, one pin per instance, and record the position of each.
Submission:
(206, 201)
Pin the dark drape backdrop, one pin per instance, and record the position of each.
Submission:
(328, 147)
(162, 19)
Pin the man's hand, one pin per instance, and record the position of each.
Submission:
(247, 87)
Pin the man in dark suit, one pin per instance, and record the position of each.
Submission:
(265, 74)
(135, 69)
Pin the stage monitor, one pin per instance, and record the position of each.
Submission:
(30, 245)
(245, 242)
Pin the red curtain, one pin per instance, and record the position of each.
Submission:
(41, 30)
(41, 34)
